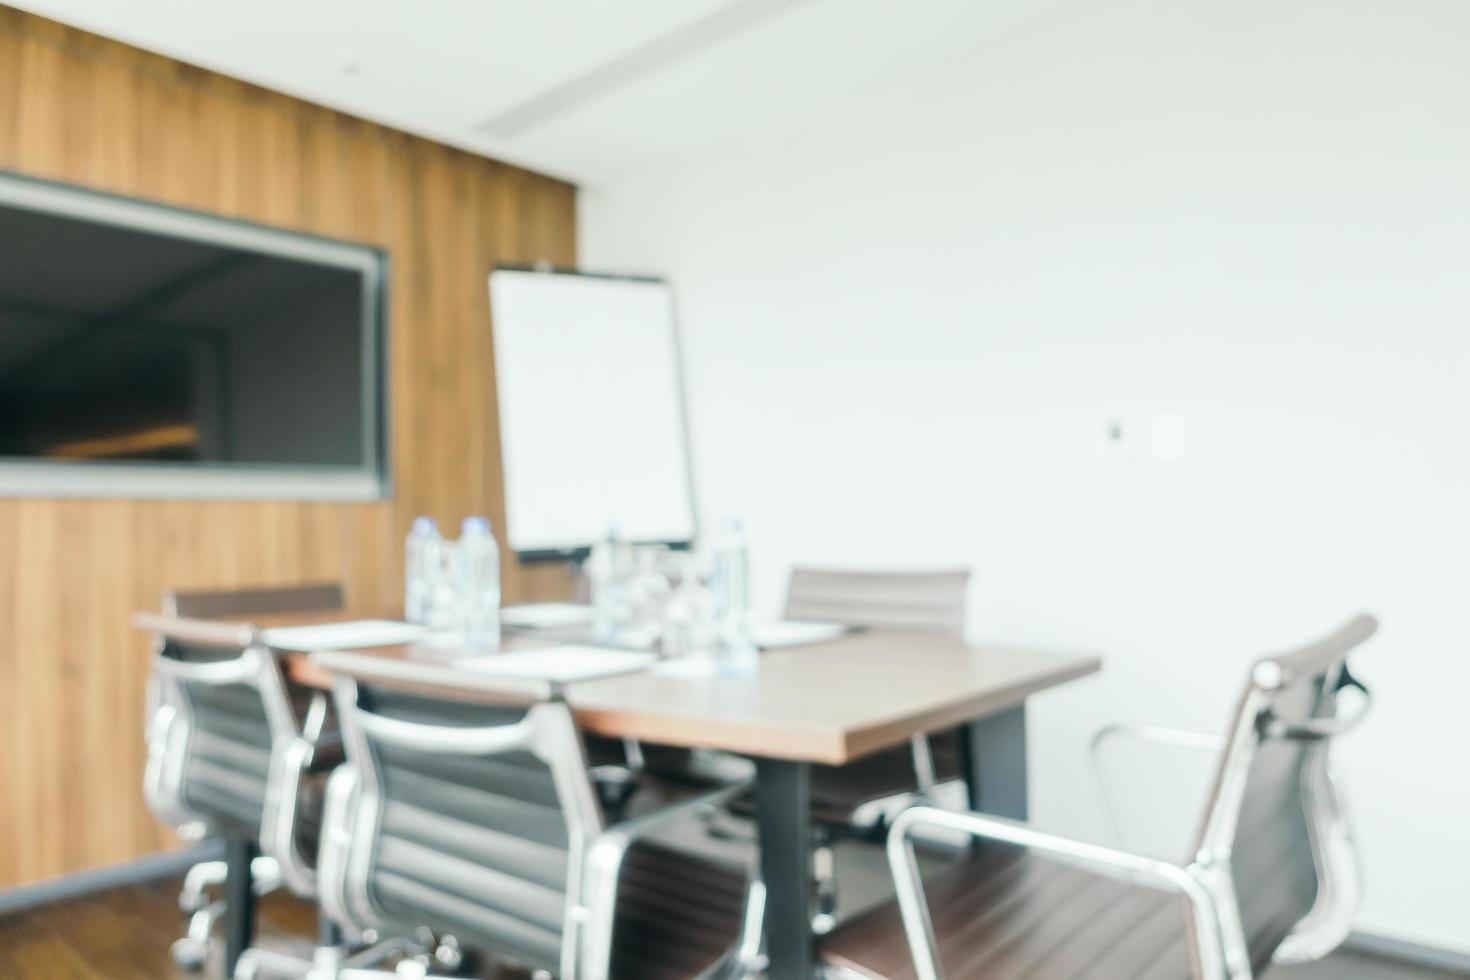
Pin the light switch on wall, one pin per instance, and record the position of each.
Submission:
(1111, 440)
(1169, 437)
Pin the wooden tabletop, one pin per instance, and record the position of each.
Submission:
(830, 702)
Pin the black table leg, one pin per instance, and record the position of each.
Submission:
(993, 761)
(783, 816)
(239, 892)
(328, 933)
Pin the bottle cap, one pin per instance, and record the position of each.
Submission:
(424, 525)
(476, 525)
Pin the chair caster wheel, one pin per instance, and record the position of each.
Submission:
(189, 954)
(448, 956)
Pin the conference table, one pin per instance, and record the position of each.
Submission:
(828, 703)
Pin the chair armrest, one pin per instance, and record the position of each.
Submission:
(340, 819)
(1181, 737)
(326, 743)
(1340, 885)
(279, 815)
(603, 864)
(238, 670)
(1107, 861)
(1156, 734)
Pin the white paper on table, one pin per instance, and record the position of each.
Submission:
(560, 664)
(779, 633)
(342, 636)
(691, 666)
(637, 639)
(546, 615)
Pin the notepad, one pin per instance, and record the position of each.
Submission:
(560, 664)
(545, 615)
(687, 667)
(776, 634)
(343, 636)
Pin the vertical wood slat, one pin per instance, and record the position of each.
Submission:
(81, 109)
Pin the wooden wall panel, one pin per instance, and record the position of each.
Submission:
(84, 110)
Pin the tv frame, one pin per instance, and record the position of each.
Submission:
(34, 477)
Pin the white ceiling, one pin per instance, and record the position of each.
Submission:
(583, 89)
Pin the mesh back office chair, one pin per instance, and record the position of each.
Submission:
(1272, 878)
(212, 745)
(466, 805)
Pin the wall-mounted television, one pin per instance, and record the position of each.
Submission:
(149, 351)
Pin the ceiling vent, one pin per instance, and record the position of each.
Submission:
(655, 55)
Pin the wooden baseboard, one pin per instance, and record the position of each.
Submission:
(112, 876)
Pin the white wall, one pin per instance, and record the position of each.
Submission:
(904, 327)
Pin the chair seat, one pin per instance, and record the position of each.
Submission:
(678, 914)
(1006, 913)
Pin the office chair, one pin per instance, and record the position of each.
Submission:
(860, 798)
(1273, 877)
(181, 712)
(466, 805)
(864, 794)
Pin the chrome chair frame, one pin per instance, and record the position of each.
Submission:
(1216, 937)
(1331, 920)
(354, 808)
(870, 816)
(192, 949)
(293, 749)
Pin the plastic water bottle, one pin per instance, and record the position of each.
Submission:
(423, 570)
(477, 582)
(648, 592)
(735, 652)
(676, 638)
(608, 572)
(599, 571)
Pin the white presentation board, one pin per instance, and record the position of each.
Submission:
(591, 411)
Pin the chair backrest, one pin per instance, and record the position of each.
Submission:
(223, 708)
(1269, 843)
(214, 603)
(265, 601)
(473, 808)
(921, 602)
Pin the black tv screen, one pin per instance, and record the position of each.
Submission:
(143, 347)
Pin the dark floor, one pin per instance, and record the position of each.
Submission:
(124, 934)
(119, 934)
